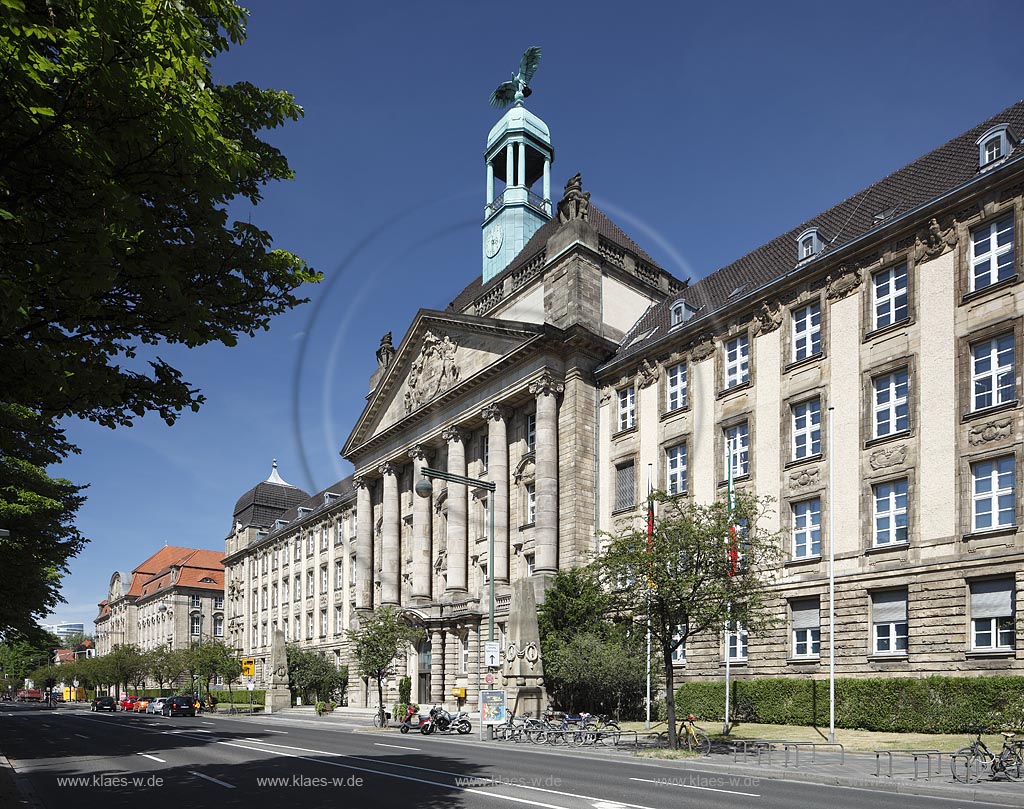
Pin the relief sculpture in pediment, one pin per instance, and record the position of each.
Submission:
(432, 372)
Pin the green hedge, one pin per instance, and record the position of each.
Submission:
(239, 696)
(898, 704)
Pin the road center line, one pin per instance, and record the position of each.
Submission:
(268, 730)
(396, 746)
(670, 782)
(80, 736)
(147, 755)
(211, 778)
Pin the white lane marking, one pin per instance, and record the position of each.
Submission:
(269, 730)
(80, 736)
(386, 774)
(396, 746)
(211, 778)
(669, 782)
(209, 723)
(456, 775)
(147, 755)
(199, 730)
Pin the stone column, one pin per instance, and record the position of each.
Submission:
(436, 668)
(547, 184)
(364, 544)
(497, 472)
(421, 557)
(522, 163)
(490, 183)
(458, 507)
(546, 389)
(389, 536)
(510, 179)
(473, 684)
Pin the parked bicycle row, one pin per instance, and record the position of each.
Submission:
(556, 728)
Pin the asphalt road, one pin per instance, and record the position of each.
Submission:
(76, 758)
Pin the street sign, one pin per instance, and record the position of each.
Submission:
(493, 707)
(489, 679)
(492, 654)
(248, 666)
(250, 684)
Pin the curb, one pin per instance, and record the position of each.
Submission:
(19, 784)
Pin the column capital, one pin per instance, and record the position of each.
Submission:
(387, 468)
(546, 384)
(420, 453)
(361, 482)
(494, 412)
(454, 435)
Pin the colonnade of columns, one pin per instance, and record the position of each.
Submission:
(513, 178)
(546, 390)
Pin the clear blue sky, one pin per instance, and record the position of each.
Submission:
(703, 129)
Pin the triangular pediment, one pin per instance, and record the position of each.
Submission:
(441, 353)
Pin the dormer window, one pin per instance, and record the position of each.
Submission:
(994, 145)
(681, 312)
(808, 244)
(279, 524)
(304, 512)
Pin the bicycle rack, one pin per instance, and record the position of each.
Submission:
(917, 756)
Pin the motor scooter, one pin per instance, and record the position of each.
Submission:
(442, 721)
(413, 718)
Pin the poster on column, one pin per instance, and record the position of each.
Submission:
(493, 707)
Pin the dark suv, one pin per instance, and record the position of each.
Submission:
(104, 704)
(179, 706)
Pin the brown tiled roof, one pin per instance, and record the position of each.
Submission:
(604, 226)
(192, 564)
(906, 189)
(265, 502)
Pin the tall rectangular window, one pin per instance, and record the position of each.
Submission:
(737, 449)
(807, 331)
(284, 591)
(195, 600)
(625, 486)
(197, 624)
(339, 622)
(284, 554)
(737, 361)
(310, 544)
(889, 296)
(736, 642)
(218, 626)
(890, 524)
(339, 573)
(309, 626)
(892, 412)
(807, 429)
(273, 595)
(993, 609)
(675, 469)
(298, 627)
(531, 432)
(889, 622)
(679, 653)
(992, 374)
(807, 528)
(806, 628)
(627, 408)
(993, 499)
(463, 654)
(992, 253)
(675, 390)
(298, 588)
(324, 581)
(531, 503)
(323, 622)
(298, 548)
(531, 563)
(484, 451)
(310, 584)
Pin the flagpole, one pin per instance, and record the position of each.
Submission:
(831, 586)
(728, 606)
(650, 536)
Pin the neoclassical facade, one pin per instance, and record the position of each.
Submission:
(861, 369)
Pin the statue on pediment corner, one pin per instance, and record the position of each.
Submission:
(575, 202)
(385, 352)
(646, 374)
(936, 241)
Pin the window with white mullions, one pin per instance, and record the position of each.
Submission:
(806, 628)
(625, 486)
(675, 392)
(807, 528)
(807, 429)
(889, 293)
(992, 257)
(675, 469)
(890, 525)
(993, 493)
(627, 408)
(992, 372)
(892, 412)
(531, 432)
(807, 331)
(737, 450)
(889, 622)
(993, 606)
(737, 361)
(531, 503)
(736, 642)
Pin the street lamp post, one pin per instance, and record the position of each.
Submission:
(424, 489)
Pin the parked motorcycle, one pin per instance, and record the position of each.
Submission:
(442, 721)
(413, 718)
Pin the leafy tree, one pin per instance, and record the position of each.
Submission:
(380, 643)
(120, 155)
(20, 655)
(166, 665)
(696, 574)
(313, 677)
(590, 662)
(125, 664)
(208, 659)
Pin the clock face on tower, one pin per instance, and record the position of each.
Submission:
(492, 240)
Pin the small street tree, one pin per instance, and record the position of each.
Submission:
(124, 664)
(313, 677)
(379, 643)
(705, 566)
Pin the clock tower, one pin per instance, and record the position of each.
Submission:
(518, 154)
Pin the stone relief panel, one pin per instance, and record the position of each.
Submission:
(935, 241)
(888, 457)
(990, 431)
(432, 372)
(843, 282)
(805, 478)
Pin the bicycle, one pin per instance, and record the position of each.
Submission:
(690, 737)
(381, 717)
(1010, 760)
(608, 730)
(515, 726)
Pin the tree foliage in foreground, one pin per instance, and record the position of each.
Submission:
(313, 677)
(379, 643)
(695, 575)
(119, 156)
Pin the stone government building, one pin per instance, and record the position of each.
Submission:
(573, 361)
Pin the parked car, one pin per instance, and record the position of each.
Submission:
(140, 705)
(156, 705)
(127, 703)
(178, 706)
(104, 703)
